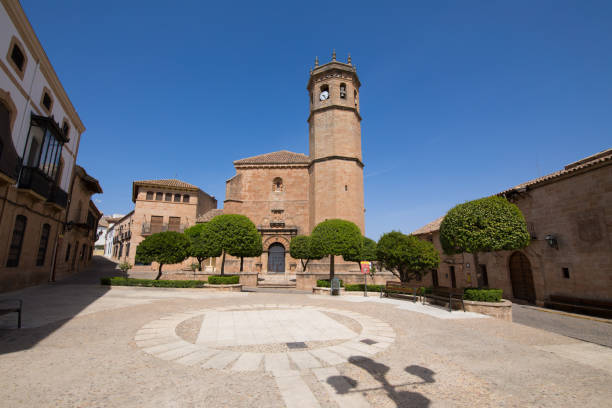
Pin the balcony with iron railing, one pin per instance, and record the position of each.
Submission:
(58, 197)
(33, 179)
(149, 228)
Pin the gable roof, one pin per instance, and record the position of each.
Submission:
(279, 157)
(164, 183)
(431, 227)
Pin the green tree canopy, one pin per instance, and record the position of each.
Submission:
(406, 256)
(336, 237)
(367, 252)
(484, 225)
(164, 248)
(203, 243)
(237, 236)
(301, 248)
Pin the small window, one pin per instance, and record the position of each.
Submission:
(168, 196)
(177, 198)
(17, 57)
(65, 128)
(355, 97)
(127, 249)
(324, 95)
(277, 184)
(42, 247)
(345, 187)
(67, 253)
(159, 196)
(46, 101)
(149, 195)
(17, 241)
(566, 273)
(343, 91)
(186, 198)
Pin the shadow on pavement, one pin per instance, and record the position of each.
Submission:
(344, 384)
(48, 307)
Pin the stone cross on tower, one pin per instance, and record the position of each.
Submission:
(336, 169)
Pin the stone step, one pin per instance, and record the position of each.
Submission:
(278, 285)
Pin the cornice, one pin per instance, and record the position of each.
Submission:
(330, 67)
(341, 107)
(345, 158)
(27, 34)
(271, 166)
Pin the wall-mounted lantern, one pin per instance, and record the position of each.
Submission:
(552, 241)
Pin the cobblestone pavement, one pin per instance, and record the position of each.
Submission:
(594, 330)
(85, 345)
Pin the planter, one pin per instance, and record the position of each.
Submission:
(325, 291)
(225, 288)
(499, 310)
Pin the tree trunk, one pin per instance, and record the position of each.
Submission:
(331, 268)
(241, 262)
(159, 272)
(476, 269)
(304, 265)
(223, 264)
(200, 264)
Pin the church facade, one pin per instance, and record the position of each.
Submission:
(287, 194)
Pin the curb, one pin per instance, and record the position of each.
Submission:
(559, 312)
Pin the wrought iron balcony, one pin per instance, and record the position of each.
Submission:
(32, 178)
(58, 197)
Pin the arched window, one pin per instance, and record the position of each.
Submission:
(324, 95)
(343, 91)
(17, 241)
(277, 184)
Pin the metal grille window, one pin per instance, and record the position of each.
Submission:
(42, 247)
(17, 241)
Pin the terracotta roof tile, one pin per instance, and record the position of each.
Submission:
(209, 215)
(166, 183)
(280, 157)
(431, 227)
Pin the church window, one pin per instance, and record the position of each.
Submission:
(149, 195)
(343, 91)
(277, 184)
(158, 196)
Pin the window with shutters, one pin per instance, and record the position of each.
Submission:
(42, 246)
(156, 223)
(17, 241)
(174, 224)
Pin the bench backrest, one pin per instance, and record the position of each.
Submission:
(448, 291)
(399, 285)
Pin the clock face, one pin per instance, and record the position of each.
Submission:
(324, 95)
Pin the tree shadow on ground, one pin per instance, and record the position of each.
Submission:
(46, 308)
(379, 371)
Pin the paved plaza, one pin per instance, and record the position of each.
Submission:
(86, 345)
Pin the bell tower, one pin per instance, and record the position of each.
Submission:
(336, 169)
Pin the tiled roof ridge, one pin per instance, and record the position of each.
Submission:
(167, 182)
(277, 157)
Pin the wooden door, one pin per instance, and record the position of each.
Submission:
(276, 258)
(157, 222)
(521, 277)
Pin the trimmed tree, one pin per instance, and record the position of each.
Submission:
(336, 237)
(406, 256)
(202, 243)
(367, 252)
(301, 248)
(164, 248)
(484, 225)
(237, 236)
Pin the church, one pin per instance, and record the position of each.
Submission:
(283, 193)
(287, 194)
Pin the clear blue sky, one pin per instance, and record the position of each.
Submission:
(460, 99)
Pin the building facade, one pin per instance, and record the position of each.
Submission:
(569, 217)
(287, 194)
(40, 132)
(159, 205)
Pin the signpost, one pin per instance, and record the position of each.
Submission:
(365, 270)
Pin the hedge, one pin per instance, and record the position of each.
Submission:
(118, 281)
(359, 287)
(483, 295)
(324, 283)
(223, 280)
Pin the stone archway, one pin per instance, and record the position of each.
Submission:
(521, 277)
(276, 258)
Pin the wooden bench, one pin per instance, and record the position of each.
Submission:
(12, 306)
(400, 288)
(446, 294)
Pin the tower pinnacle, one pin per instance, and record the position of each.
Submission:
(334, 55)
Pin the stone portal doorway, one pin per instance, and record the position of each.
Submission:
(521, 277)
(276, 258)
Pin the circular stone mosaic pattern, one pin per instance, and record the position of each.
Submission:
(270, 337)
